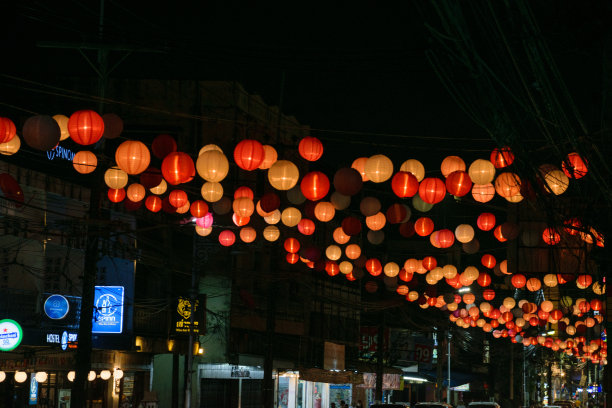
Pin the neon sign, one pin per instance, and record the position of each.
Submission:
(60, 152)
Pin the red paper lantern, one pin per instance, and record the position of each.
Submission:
(424, 226)
(374, 267)
(454, 282)
(429, 262)
(351, 226)
(116, 195)
(240, 221)
(306, 226)
(556, 314)
(551, 236)
(446, 238)
(86, 127)
(533, 284)
(315, 185)
(488, 294)
(518, 280)
(249, 154)
(488, 261)
(458, 183)
(153, 203)
(483, 193)
(292, 245)
(178, 198)
(502, 157)
(227, 238)
(347, 181)
(404, 184)
(432, 190)
(132, 157)
(484, 279)
(332, 268)
(574, 167)
(584, 281)
(163, 145)
(486, 221)
(199, 208)
(244, 191)
(178, 168)
(310, 148)
(292, 258)
(596, 304)
(498, 234)
(7, 130)
(405, 275)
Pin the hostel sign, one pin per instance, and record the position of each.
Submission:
(108, 310)
(10, 334)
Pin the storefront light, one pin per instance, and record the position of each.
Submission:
(414, 379)
(91, 376)
(41, 376)
(2, 376)
(105, 374)
(70, 376)
(21, 376)
(118, 374)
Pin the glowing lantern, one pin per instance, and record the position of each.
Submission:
(518, 281)
(374, 267)
(449, 271)
(488, 294)
(291, 216)
(432, 190)
(446, 238)
(596, 304)
(488, 261)
(270, 157)
(115, 178)
(424, 226)
(486, 221)
(243, 207)
(240, 221)
(206, 221)
(551, 236)
(178, 198)
(177, 168)
(550, 280)
(508, 185)
(85, 162)
(359, 165)
(376, 222)
(283, 175)
(556, 181)
(7, 130)
(451, 164)
(351, 226)
(481, 172)
(198, 208)
(86, 127)
(421, 205)
(273, 218)
(249, 154)
(509, 303)
(212, 192)
(404, 184)
(429, 262)
(116, 195)
(11, 147)
(324, 211)
(153, 203)
(378, 168)
(212, 166)
(332, 268)
(405, 275)
(292, 258)
(464, 233)
(333, 252)
(227, 238)
(163, 145)
(136, 192)
(391, 269)
(414, 167)
(547, 306)
(458, 183)
(345, 267)
(310, 148)
(306, 226)
(483, 193)
(484, 279)
(62, 122)
(41, 132)
(340, 237)
(160, 188)
(315, 185)
(502, 157)
(574, 167)
(248, 234)
(533, 284)
(584, 281)
(353, 251)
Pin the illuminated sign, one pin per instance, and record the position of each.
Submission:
(10, 334)
(56, 307)
(33, 390)
(108, 309)
(66, 340)
(182, 315)
(60, 152)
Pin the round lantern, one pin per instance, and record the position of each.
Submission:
(240, 221)
(21, 376)
(391, 269)
(353, 251)
(421, 205)
(404, 184)
(351, 226)
(249, 154)
(163, 145)
(153, 203)
(584, 281)
(306, 226)
(332, 268)
(432, 190)
(347, 181)
(198, 208)
(85, 162)
(378, 168)
(502, 157)
(136, 192)
(556, 181)
(451, 164)
(273, 218)
(132, 157)
(423, 226)
(270, 157)
(227, 238)
(414, 167)
(160, 188)
(178, 168)
(551, 236)
(429, 262)
(113, 125)
(115, 178)
(345, 267)
(315, 185)
(310, 148)
(248, 234)
(464, 233)
(292, 258)
(481, 172)
(86, 127)
(116, 195)
(333, 252)
(11, 147)
(533, 284)
(446, 238)
(508, 185)
(376, 222)
(208, 147)
(369, 206)
(483, 193)
(212, 192)
(271, 233)
(324, 211)
(283, 175)
(518, 281)
(292, 245)
(488, 294)
(488, 261)
(41, 132)
(574, 166)
(374, 267)
(499, 235)
(243, 207)
(340, 237)
(7, 130)
(458, 183)
(486, 221)
(359, 165)
(550, 280)
(449, 271)
(212, 166)
(178, 198)
(291, 216)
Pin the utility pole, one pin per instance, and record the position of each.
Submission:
(448, 356)
(379, 361)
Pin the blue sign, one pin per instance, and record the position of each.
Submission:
(56, 307)
(108, 309)
(33, 390)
